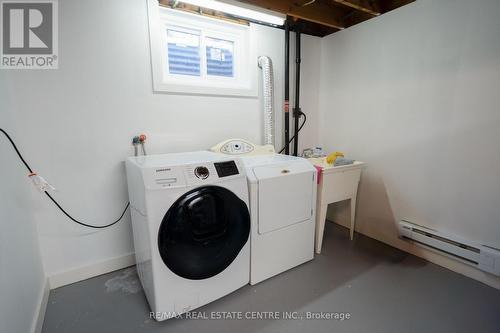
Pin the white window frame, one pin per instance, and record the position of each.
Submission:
(243, 83)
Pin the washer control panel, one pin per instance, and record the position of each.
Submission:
(193, 174)
(201, 172)
(226, 169)
(210, 172)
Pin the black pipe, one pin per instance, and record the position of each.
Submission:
(287, 86)
(296, 111)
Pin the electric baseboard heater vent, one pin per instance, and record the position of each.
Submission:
(482, 257)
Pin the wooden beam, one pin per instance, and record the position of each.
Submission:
(356, 17)
(314, 29)
(317, 12)
(318, 18)
(368, 6)
(204, 12)
(388, 5)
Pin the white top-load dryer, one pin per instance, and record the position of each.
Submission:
(282, 193)
(191, 228)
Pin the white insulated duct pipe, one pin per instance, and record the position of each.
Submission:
(266, 65)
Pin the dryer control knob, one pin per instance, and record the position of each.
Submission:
(201, 172)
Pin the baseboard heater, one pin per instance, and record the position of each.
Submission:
(482, 257)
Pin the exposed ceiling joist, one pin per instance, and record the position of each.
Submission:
(317, 12)
(313, 17)
(322, 17)
(368, 6)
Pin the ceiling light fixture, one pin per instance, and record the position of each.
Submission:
(239, 10)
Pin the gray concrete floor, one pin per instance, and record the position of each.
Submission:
(383, 290)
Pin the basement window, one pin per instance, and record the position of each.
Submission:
(194, 54)
(190, 51)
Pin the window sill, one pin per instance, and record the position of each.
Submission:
(179, 89)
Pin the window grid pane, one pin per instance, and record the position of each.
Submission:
(219, 55)
(183, 53)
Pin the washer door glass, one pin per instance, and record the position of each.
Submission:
(203, 232)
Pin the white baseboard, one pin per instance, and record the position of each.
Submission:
(43, 299)
(431, 256)
(60, 279)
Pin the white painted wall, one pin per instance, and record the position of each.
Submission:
(415, 93)
(22, 279)
(75, 125)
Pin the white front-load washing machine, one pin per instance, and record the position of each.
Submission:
(282, 207)
(191, 228)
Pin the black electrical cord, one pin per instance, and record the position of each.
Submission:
(17, 151)
(298, 130)
(85, 224)
(54, 200)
